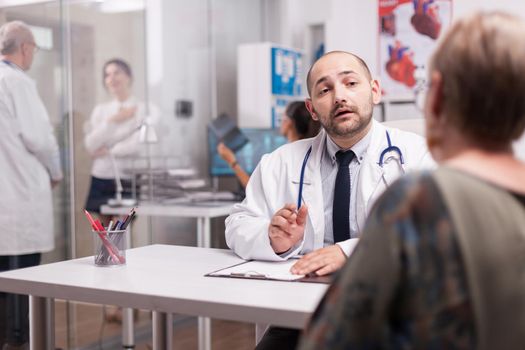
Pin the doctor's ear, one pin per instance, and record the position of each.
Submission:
(311, 109)
(376, 91)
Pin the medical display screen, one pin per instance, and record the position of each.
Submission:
(261, 141)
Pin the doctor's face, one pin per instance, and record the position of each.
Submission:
(342, 95)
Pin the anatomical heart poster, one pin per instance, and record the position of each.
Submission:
(408, 33)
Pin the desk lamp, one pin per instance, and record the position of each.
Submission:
(148, 136)
(118, 201)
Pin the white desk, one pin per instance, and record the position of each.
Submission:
(164, 279)
(203, 212)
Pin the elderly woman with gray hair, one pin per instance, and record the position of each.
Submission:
(441, 261)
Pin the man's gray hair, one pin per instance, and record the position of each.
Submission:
(12, 35)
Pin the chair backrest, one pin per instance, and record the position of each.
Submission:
(416, 125)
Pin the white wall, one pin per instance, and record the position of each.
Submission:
(184, 47)
(190, 46)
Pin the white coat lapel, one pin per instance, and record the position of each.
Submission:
(370, 176)
(368, 183)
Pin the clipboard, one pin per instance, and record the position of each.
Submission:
(267, 270)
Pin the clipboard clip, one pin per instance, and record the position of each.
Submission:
(249, 274)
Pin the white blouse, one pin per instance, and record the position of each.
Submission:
(120, 138)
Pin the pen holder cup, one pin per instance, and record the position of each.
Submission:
(110, 248)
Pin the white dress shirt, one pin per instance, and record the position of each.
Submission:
(120, 138)
(328, 175)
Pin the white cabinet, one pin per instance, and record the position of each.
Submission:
(269, 76)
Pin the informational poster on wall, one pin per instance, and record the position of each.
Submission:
(286, 80)
(408, 33)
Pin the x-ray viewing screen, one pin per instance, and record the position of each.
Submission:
(261, 141)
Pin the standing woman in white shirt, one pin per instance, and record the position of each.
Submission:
(113, 127)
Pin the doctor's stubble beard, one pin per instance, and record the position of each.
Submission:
(364, 117)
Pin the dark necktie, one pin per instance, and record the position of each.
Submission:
(341, 207)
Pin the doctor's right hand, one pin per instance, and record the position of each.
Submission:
(287, 227)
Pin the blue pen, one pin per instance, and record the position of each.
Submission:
(128, 218)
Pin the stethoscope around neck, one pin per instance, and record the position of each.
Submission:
(390, 148)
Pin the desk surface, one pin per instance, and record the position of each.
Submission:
(171, 279)
(196, 209)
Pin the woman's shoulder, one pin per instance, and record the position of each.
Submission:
(415, 190)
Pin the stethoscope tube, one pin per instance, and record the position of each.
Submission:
(301, 178)
(390, 148)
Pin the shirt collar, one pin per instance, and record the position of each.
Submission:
(359, 148)
(12, 65)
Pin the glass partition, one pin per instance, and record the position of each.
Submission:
(183, 61)
(75, 39)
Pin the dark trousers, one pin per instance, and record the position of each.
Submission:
(14, 308)
(277, 338)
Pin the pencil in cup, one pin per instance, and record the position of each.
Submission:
(110, 247)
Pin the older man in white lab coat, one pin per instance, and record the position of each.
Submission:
(30, 163)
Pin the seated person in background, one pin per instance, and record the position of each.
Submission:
(350, 164)
(440, 264)
(295, 125)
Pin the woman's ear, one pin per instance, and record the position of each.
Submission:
(434, 100)
(434, 116)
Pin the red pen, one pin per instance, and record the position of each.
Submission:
(97, 226)
(90, 218)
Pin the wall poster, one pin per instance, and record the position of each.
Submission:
(408, 32)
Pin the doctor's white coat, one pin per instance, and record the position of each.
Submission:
(275, 182)
(29, 159)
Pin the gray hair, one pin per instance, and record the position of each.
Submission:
(12, 35)
(482, 61)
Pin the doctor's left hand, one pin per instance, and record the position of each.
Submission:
(321, 261)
